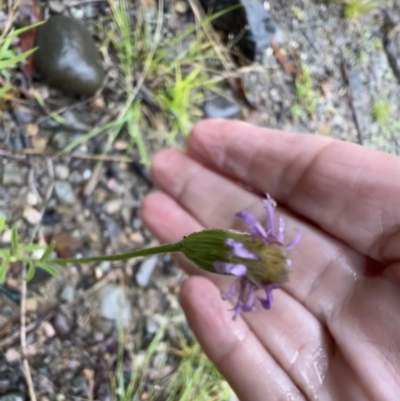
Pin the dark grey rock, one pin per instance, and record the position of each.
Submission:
(67, 56)
(221, 107)
(249, 21)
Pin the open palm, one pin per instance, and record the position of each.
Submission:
(334, 330)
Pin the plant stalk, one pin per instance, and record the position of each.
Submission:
(167, 248)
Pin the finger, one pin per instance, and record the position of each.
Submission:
(348, 190)
(232, 347)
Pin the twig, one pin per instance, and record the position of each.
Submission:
(11, 17)
(226, 61)
(20, 154)
(25, 363)
(354, 112)
(30, 327)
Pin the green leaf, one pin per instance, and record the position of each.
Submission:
(18, 32)
(30, 247)
(47, 267)
(31, 271)
(14, 241)
(11, 62)
(3, 266)
(3, 92)
(48, 251)
(3, 224)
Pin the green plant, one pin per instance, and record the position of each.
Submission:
(33, 255)
(175, 72)
(8, 56)
(196, 378)
(305, 96)
(380, 111)
(131, 390)
(355, 8)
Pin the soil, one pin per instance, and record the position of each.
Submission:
(91, 202)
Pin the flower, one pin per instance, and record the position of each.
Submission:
(266, 246)
(258, 259)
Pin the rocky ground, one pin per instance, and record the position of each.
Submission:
(92, 330)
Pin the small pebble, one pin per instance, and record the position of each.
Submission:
(136, 223)
(150, 326)
(6, 214)
(31, 129)
(105, 266)
(75, 178)
(60, 140)
(61, 325)
(98, 103)
(48, 330)
(6, 236)
(88, 374)
(12, 175)
(67, 294)
(113, 206)
(31, 304)
(62, 171)
(67, 246)
(12, 355)
(56, 7)
(12, 397)
(64, 192)
(87, 174)
(31, 215)
(145, 271)
(32, 199)
(113, 308)
(77, 12)
(221, 107)
(136, 237)
(181, 7)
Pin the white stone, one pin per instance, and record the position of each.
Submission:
(31, 215)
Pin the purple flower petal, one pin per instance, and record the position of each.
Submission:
(270, 214)
(295, 240)
(235, 269)
(232, 290)
(267, 303)
(255, 228)
(239, 250)
(249, 303)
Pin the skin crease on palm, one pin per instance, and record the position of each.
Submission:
(334, 330)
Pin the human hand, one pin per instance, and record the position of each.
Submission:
(334, 330)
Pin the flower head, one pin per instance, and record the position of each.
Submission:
(258, 259)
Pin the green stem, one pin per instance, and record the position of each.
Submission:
(167, 248)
